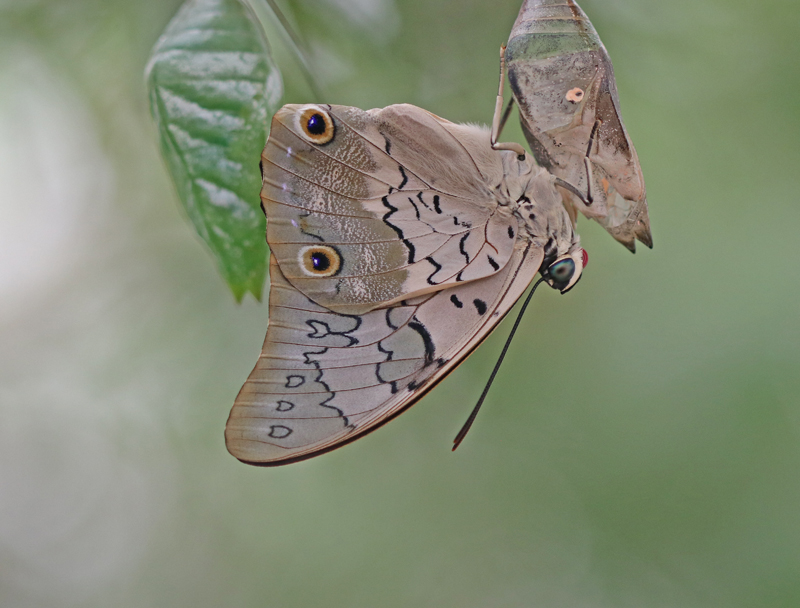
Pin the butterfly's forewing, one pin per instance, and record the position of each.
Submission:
(325, 378)
(563, 81)
(397, 196)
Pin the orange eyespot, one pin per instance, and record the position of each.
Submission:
(320, 260)
(315, 124)
(575, 95)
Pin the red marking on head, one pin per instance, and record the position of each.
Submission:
(584, 257)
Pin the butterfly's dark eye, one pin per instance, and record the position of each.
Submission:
(320, 260)
(561, 272)
(316, 124)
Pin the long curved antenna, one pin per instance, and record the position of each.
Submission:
(464, 429)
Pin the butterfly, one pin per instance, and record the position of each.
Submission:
(398, 241)
(563, 82)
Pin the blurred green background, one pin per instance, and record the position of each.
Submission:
(640, 448)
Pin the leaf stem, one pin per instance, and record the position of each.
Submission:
(268, 10)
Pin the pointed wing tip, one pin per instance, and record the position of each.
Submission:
(244, 452)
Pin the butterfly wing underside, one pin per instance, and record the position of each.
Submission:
(325, 378)
(400, 194)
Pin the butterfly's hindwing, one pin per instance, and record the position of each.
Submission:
(326, 378)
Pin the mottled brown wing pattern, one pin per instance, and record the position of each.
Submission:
(326, 378)
(402, 222)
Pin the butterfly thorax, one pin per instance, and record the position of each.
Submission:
(537, 205)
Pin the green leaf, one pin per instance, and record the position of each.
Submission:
(213, 89)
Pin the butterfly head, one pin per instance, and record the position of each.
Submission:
(566, 270)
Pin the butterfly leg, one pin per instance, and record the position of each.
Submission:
(569, 187)
(589, 199)
(500, 117)
(506, 114)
